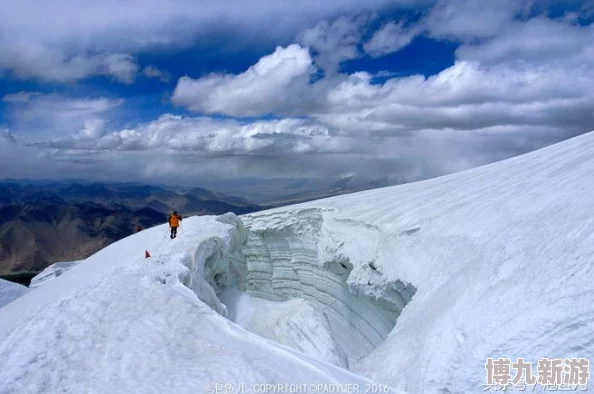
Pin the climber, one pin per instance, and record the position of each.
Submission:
(174, 220)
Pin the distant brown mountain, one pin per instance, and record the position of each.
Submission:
(47, 223)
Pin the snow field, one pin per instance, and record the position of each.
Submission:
(118, 322)
(413, 286)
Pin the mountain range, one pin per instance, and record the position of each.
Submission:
(43, 222)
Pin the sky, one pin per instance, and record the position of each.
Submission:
(185, 92)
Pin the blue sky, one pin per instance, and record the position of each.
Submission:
(190, 91)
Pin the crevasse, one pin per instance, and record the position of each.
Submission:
(293, 267)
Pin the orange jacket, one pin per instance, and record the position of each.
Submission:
(174, 220)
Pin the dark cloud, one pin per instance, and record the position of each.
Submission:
(7, 136)
(67, 41)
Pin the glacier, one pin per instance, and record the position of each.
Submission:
(307, 254)
(412, 287)
(120, 322)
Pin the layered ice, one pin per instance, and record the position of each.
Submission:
(304, 255)
(51, 272)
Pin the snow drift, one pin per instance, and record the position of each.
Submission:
(412, 286)
(10, 291)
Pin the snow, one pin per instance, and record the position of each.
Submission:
(10, 291)
(413, 286)
(294, 323)
(120, 322)
(501, 258)
(51, 272)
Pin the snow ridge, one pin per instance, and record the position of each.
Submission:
(120, 323)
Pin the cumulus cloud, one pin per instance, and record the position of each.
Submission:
(478, 110)
(517, 84)
(194, 150)
(204, 135)
(92, 129)
(334, 42)
(272, 84)
(468, 95)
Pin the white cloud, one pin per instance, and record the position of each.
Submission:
(149, 22)
(26, 59)
(470, 19)
(121, 67)
(516, 85)
(195, 149)
(20, 97)
(37, 115)
(539, 41)
(6, 135)
(272, 84)
(151, 71)
(466, 96)
(334, 42)
(390, 38)
(209, 136)
(92, 129)
(67, 40)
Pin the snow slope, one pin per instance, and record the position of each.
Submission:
(10, 291)
(120, 323)
(413, 286)
(501, 258)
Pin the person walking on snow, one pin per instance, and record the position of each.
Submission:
(174, 220)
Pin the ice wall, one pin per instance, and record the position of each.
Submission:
(302, 263)
(301, 254)
(209, 271)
